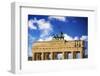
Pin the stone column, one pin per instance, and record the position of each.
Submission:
(42, 56)
(51, 55)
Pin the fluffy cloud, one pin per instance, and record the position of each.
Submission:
(43, 24)
(76, 38)
(31, 24)
(84, 38)
(46, 39)
(60, 18)
(45, 27)
(67, 37)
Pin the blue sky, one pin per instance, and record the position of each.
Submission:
(42, 27)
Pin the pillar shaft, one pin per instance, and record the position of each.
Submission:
(63, 55)
(42, 56)
(51, 55)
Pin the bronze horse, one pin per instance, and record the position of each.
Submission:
(58, 37)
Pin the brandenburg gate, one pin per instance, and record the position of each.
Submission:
(57, 49)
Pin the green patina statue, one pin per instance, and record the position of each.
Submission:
(58, 36)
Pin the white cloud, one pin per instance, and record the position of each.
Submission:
(67, 37)
(81, 38)
(40, 39)
(44, 33)
(43, 24)
(84, 38)
(45, 27)
(31, 24)
(76, 38)
(60, 18)
(46, 39)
